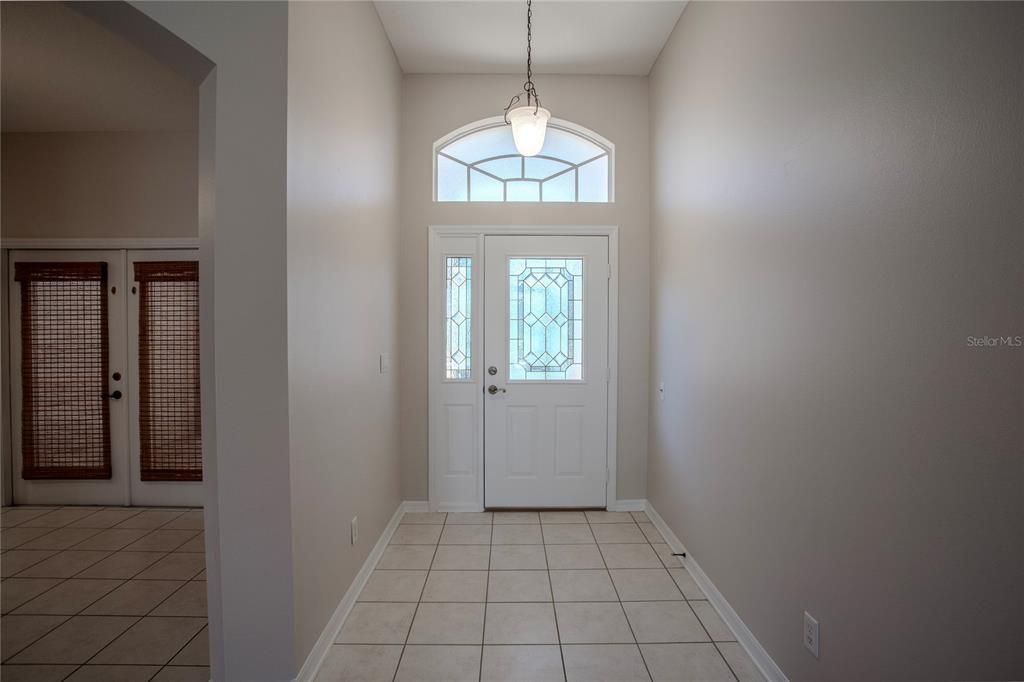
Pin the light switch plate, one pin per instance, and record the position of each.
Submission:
(385, 363)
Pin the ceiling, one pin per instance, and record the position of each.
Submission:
(616, 38)
(62, 71)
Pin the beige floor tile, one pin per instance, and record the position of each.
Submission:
(563, 517)
(583, 585)
(686, 583)
(61, 538)
(201, 576)
(408, 557)
(640, 517)
(567, 534)
(75, 641)
(16, 591)
(112, 539)
(742, 665)
(151, 641)
(651, 532)
(182, 674)
(17, 515)
(150, 519)
(362, 663)
(455, 586)
(461, 557)
(609, 517)
(190, 600)
(134, 598)
(432, 518)
(466, 535)
(397, 586)
(114, 673)
(472, 518)
(714, 624)
(618, 532)
(685, 662)
(17, 632)
(448, 624)
(630, 556)
(196, 544)
(121, 565)
(58, 518)
(436, 663)
(196, 652)
(414, 534)
(176, 566)
(64, 565)
(592, 623)
(664, 621)
(664, 552)
(106, 518)
(518, 586)
(518, 557)
(643, 584)
(520, 624)
(371, 623)
(161, 541)
(190, 520)
(517, 663)
(512, 517)
(17, 560)
(573, 556)
(16, 537)
(521, 534)
(68, 598)
(35, 673)
(590, 662)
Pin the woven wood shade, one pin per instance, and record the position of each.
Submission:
(65, 413)
(169, 416)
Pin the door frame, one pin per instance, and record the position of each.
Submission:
(470, 241)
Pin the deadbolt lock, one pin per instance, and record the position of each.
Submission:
(492, 370)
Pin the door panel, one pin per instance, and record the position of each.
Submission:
(546, 336)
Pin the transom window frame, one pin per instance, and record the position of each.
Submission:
(496, 122)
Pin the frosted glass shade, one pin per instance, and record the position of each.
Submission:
(528, 127)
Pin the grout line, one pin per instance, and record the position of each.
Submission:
(419, 601)
(487, 593)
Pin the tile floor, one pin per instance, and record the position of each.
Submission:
(531, 597)
(97, 594)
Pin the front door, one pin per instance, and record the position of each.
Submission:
(545, 371)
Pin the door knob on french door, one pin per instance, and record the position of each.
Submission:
(492, 389)
(116, 395)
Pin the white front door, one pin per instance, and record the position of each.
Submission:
(545, 371)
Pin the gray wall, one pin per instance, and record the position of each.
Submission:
(344, 90)
(612, 106)
(838, 206)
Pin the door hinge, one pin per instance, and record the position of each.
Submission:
(609, 271)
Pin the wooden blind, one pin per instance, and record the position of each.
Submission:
(169, 414)
(65, 413)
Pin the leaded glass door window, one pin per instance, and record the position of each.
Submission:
(545, 319)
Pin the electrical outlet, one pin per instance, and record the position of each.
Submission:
(355, 529)
(811, 634)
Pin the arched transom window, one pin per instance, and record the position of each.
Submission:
(480, 163)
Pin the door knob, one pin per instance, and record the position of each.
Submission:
(116, 395)
(492, 389)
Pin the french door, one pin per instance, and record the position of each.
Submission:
(104, 377)
(546, 371)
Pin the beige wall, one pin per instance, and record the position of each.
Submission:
(100, 184)
(613, 106)
(838, 206)
(344, 90)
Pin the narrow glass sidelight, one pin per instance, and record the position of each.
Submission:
(545, 319)
(458, 317)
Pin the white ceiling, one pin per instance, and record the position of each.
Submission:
(582, 37)
(62, 71)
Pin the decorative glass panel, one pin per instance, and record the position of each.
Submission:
(458, 317)
(483, 165)
(545, 319)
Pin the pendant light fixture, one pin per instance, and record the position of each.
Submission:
(530, 122)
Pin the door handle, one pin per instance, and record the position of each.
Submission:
(116, 395)
(492, 389)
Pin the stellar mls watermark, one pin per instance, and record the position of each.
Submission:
(995, 341)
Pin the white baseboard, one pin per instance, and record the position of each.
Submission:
(330, 633)
(413, 507)
(460, 507)
(744, 636)
(628, 506)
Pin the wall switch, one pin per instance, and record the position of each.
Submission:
(661, 391)
(385, 363)
(355, 529)
(811, 634)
